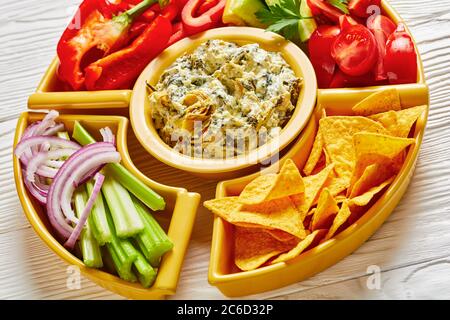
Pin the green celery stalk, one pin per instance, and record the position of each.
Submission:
(102, 232)
(146, 274)
(135, 186)
(152, 241)
(122, 256)
(127, 220)
(90, 249)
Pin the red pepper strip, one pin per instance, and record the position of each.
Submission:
(120, 69)
(209, 19)
(137, 28)
(148, 16)
(206, 5)
(178, 33)
(70, 55)
(170, 11)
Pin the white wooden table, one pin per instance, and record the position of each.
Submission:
(412, 249)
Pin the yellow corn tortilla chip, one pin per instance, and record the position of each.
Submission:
(388, 119)
(274, 186)
(406, 118)
(253, 247)
(298, 249)
(342, 216)
(326, 207)
(372, 176)
(377, 102)
(371, 148)
(314, 156)
(337, 132)
(276, 214)
(313, 186)
(280, 235)
(365, 198)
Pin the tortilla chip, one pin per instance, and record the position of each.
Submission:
(313, 185)
(388, 119)
(253, 247)
(326, 208)
(314, 156)
(298, 249)
(406, 119)
(375, 148)
(377, 102)
(385, 145)
(276, 214)
(372, 176)
(274, 186)
(365, 198)
(280, 235)
(337, 132)
(336, 185)
(342, 216)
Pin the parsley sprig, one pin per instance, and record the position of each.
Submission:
(340, 4)
(282, 17)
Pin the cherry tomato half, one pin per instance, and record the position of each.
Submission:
(360, 8)
(355, 50)
(346, 21)
(319, 47)
(383, 23)
(400, 61)
(321, 7)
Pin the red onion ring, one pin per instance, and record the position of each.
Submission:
(99, 178)
(91, 156)
(27, 143)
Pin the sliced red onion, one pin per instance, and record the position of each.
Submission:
(99, 178)
(54, 130)
(37, 163)
(27, 143)
(54, 163)
(107, 135)
(73, 170)
(34, 190)
(75, 178)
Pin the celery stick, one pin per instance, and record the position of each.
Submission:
(151, 199)
(123, 272)
(119, 250)
(90, 249)
(102, 232)
(152, 241)
(146, 274)
(127, 220)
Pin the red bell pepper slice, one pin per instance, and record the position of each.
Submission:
(120, 69)
(178, 33)
(196, 23)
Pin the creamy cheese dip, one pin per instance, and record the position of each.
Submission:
(223, 99)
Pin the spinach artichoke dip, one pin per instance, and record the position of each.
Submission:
(223, 99)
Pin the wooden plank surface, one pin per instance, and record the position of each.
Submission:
(411, 250)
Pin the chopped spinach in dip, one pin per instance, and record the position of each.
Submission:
(223, 99)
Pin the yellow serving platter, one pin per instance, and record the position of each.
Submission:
(177, 219)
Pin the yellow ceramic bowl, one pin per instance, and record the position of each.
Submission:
(177, 219)
(233, 282)
(212, 168)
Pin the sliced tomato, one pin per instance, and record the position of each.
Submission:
(319, 47)
(194, 23)
(360, 8)
(400, 60)
(355, 50)
(322, 7)
(346, 21)
(342, 80)
(383, 23)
